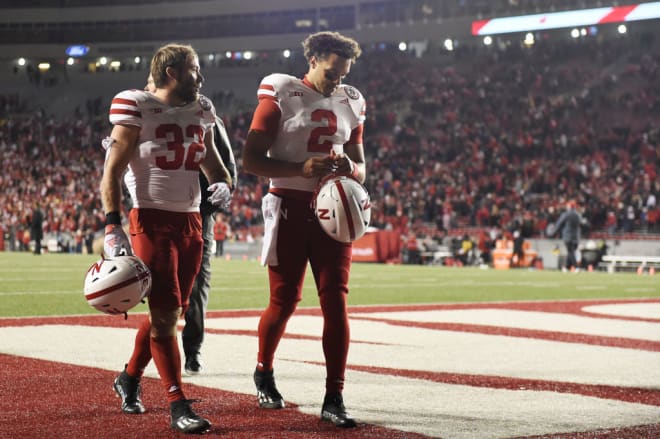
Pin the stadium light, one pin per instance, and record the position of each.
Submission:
(575, 33)
(449, 44)
(70, 61)
(286, 53)
(529, 39)
(21, 61)
(43, 66)
(228, 54)
(622, 29)
(488, 40)
(403, 46)
(247, 55)
(137, 60)
(103, 60)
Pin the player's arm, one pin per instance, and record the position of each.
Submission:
(212, 165)
(221, 139)
(124, 143)
(352, 161)
(263, 131)
(355, 153)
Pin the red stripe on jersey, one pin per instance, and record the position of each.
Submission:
(124, 102)
(128, 112)
(617, 14)
(269, 97)
(266, 87)
(347, 209)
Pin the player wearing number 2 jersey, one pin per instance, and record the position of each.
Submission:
(302, 130)
(160, 141)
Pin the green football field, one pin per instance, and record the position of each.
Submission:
(52, 284)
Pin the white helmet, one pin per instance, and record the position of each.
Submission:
(343, 208)
(115, 285)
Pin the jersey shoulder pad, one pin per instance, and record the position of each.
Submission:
(126, 107)
(208, 108)
(275, 84)
(352, 92)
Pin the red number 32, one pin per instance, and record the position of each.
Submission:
(189, 159)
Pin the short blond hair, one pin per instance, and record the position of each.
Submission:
(170, 55)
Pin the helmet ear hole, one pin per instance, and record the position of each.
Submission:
(343, 208)
(116, 285)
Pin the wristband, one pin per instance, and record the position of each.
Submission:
(112, 218)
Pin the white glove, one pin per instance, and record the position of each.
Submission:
(220, 195)
(116, 242)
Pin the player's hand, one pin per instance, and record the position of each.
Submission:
(220, 195)
(343, 165)
(116, 242)
(318, 166)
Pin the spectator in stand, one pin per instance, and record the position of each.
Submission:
(221, 230)
(37, 228)
(518, 253)
(569, 224)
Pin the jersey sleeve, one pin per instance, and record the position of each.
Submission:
(360, 109)
(267, 115)
(124, 109)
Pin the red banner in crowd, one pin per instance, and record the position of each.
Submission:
(379, 246)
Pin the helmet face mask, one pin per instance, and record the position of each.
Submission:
(343, 208)
(116, 285)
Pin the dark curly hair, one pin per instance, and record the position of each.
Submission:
(322, 44)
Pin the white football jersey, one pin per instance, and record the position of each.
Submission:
(164, 173)
(311, 124)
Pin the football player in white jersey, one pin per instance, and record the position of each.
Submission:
(158, 145)
(303, 130)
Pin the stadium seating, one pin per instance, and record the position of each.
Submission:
(479, 140)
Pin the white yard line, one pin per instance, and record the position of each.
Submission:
(416, 405)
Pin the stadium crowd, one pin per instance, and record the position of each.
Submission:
(492, 138)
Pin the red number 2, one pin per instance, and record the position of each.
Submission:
(192, 159)
(314, 144)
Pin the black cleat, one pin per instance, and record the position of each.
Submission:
(267, 394)
(185, 420)
(128, 389)
(193, 366)
(334, 411)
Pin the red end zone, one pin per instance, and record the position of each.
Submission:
(62, 399)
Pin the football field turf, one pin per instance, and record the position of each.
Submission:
(436, 352)
(51, 284)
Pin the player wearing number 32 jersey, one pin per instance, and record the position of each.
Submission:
(302, 131)
(160, 141)
(163, 173)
